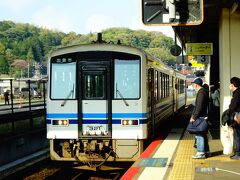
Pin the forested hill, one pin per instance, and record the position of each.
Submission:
(29, 43)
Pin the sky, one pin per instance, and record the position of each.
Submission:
(80, 16)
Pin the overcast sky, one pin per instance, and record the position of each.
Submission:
(80, 16)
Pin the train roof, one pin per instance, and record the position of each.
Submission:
(153, 61)
(94, 47)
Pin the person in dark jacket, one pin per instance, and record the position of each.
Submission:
(6, 97)
(200, 110)
(235, 107)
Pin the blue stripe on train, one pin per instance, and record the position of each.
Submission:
(98, 121)
(98, 115)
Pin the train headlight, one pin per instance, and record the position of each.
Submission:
(60, 122)
(65, 122)
(130, 122)
(124, 122)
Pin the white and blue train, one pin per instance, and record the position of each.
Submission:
(105, 100)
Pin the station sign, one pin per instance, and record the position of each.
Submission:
(203, 59)
(199, 48)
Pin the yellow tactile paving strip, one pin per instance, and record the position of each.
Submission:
(183, 165)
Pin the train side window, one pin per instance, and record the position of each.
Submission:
(169, 82)
(164, 85)
(160, 85)
(167, 85)
(149, 80)
(149, 83)
(182, 86)
(170, 85)
(179, 91)
(156, 85)
(176, 85)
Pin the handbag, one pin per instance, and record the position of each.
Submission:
(226, 137)
(200, 125)
(237, 117)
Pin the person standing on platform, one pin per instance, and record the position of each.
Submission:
(6, 97)
(206, 86)
(200, 110)
(235, 107)
(216, 105)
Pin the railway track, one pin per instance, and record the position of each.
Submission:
(47, 169)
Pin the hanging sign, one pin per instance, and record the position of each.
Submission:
(199, 49)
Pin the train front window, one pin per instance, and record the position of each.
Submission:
(126, 79)
(63, 79)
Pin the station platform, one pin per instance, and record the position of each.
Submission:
(170, 157)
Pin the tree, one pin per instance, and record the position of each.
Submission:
(69, 38)
(4, 66)
(30, 61)
(19, 66)
(115, 34)
(162, 41)
(2, 49)
(16, 39)
(5, 25)
(9, 55)
(25, 41)
(162, 54)
(141, 39)
(30, 57)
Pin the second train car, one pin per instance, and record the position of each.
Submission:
(106, 100)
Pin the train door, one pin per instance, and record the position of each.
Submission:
(151, 102)
(95, 111)
(174, 94)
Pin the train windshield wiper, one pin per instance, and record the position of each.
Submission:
(71, 93)
(124, 100)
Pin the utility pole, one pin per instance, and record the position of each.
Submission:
(28, 70)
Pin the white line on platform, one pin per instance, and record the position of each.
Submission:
(166, 150)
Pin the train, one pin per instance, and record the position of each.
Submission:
(106, 100)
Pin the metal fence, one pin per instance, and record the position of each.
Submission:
(22, 106)
(21, 122)
(22, 95)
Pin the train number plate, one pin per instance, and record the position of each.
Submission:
(94, 128)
